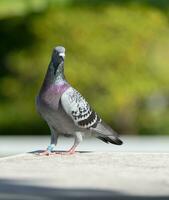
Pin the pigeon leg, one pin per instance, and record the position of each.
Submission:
(78, 139)
(54, 138)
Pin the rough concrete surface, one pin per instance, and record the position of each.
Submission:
(88, 175)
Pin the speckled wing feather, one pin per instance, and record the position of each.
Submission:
(78, 109)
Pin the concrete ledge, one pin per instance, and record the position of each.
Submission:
(85, 175)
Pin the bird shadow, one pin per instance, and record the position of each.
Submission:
(37, 152)
(11, 189)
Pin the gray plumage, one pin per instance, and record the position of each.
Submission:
(65, 110)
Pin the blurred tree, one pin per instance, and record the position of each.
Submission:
(116, 56)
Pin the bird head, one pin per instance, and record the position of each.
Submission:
(58, 55)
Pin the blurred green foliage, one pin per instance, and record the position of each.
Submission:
(117, 57)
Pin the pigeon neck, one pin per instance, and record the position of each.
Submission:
(55, 74)
(59, 73)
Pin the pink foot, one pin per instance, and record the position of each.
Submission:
(66, 153)
(46, 153)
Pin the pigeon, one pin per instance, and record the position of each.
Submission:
(66, 111)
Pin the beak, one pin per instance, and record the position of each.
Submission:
(62, 55)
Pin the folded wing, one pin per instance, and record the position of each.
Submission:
(85, 117)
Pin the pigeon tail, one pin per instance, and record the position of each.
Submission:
(106, 134)
(110, 139)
